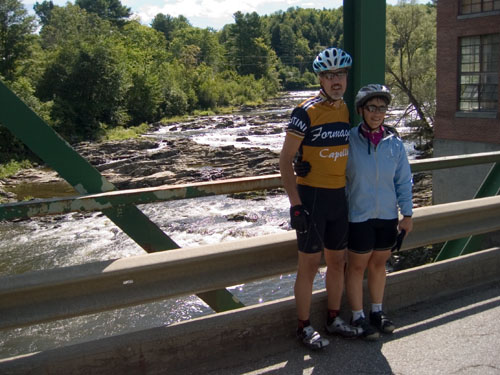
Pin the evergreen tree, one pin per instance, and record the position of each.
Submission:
(111, 10)
(168, 25)
(44, 11)
(247, 46)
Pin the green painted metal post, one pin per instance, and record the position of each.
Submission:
(364, 39)
(59, 155)
(463, 246)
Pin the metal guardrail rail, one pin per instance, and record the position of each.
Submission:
(47, 295)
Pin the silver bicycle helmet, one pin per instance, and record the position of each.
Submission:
(367, 92)
(330, 59)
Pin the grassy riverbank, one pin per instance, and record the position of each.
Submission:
(13, 166)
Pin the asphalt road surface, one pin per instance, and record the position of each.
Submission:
(457, 335)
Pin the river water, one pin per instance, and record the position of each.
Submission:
(80, 238)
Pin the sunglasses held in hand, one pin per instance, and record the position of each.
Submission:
(399, 241)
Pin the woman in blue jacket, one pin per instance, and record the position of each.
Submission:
(379, 188)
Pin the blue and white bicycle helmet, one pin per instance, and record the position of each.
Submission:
(330, 59)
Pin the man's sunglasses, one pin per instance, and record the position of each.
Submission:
(331, 75)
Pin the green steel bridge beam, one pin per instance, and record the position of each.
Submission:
(59, 155)
(364, 40)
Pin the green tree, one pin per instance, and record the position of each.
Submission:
(284, 41)
(111, 10)
(44, 10)
(16, 29)
(248, 50)
(73, 26)
(144, 55)
(410, 59)
(168, 25)
(83, 75)
(297, 35)
(86, 88)
(208, 49)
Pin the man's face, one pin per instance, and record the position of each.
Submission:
(334, 82)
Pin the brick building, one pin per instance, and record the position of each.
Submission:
(468, 69)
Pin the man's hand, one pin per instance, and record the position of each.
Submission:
(299, 218)
(301, 167)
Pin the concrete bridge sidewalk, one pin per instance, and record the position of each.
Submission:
(458, 334)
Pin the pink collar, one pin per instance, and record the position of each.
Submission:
(374, 137)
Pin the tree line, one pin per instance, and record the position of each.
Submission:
(89, 67)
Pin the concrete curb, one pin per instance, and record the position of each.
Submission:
(251, 331)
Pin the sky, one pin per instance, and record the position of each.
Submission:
(211, 13)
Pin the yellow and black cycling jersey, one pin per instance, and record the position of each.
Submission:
(323, 127)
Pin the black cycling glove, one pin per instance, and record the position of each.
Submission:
(301, 167)
(299, 218)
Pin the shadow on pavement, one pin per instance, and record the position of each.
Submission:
(357, 356)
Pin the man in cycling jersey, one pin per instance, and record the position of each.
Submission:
(318, 131)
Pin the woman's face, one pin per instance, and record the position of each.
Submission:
(374, 112)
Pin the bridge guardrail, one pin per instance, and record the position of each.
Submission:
(77, 290)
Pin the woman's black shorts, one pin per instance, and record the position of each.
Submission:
(373, 234)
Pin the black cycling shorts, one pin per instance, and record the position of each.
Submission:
(373, 234)
(328, 219)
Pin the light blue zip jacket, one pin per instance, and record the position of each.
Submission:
(379, 178)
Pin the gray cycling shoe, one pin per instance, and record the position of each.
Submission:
(312, 339)
(339, 327)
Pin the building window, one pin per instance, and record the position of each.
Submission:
(479, 57)
(479, 6)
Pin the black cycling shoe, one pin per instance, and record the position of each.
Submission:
(381, 322)
(365, 330)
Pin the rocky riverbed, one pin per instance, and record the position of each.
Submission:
(138, 163)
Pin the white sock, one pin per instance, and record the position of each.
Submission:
(357, 314)
(376, 307)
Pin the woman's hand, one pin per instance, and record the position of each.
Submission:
(406, 224)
